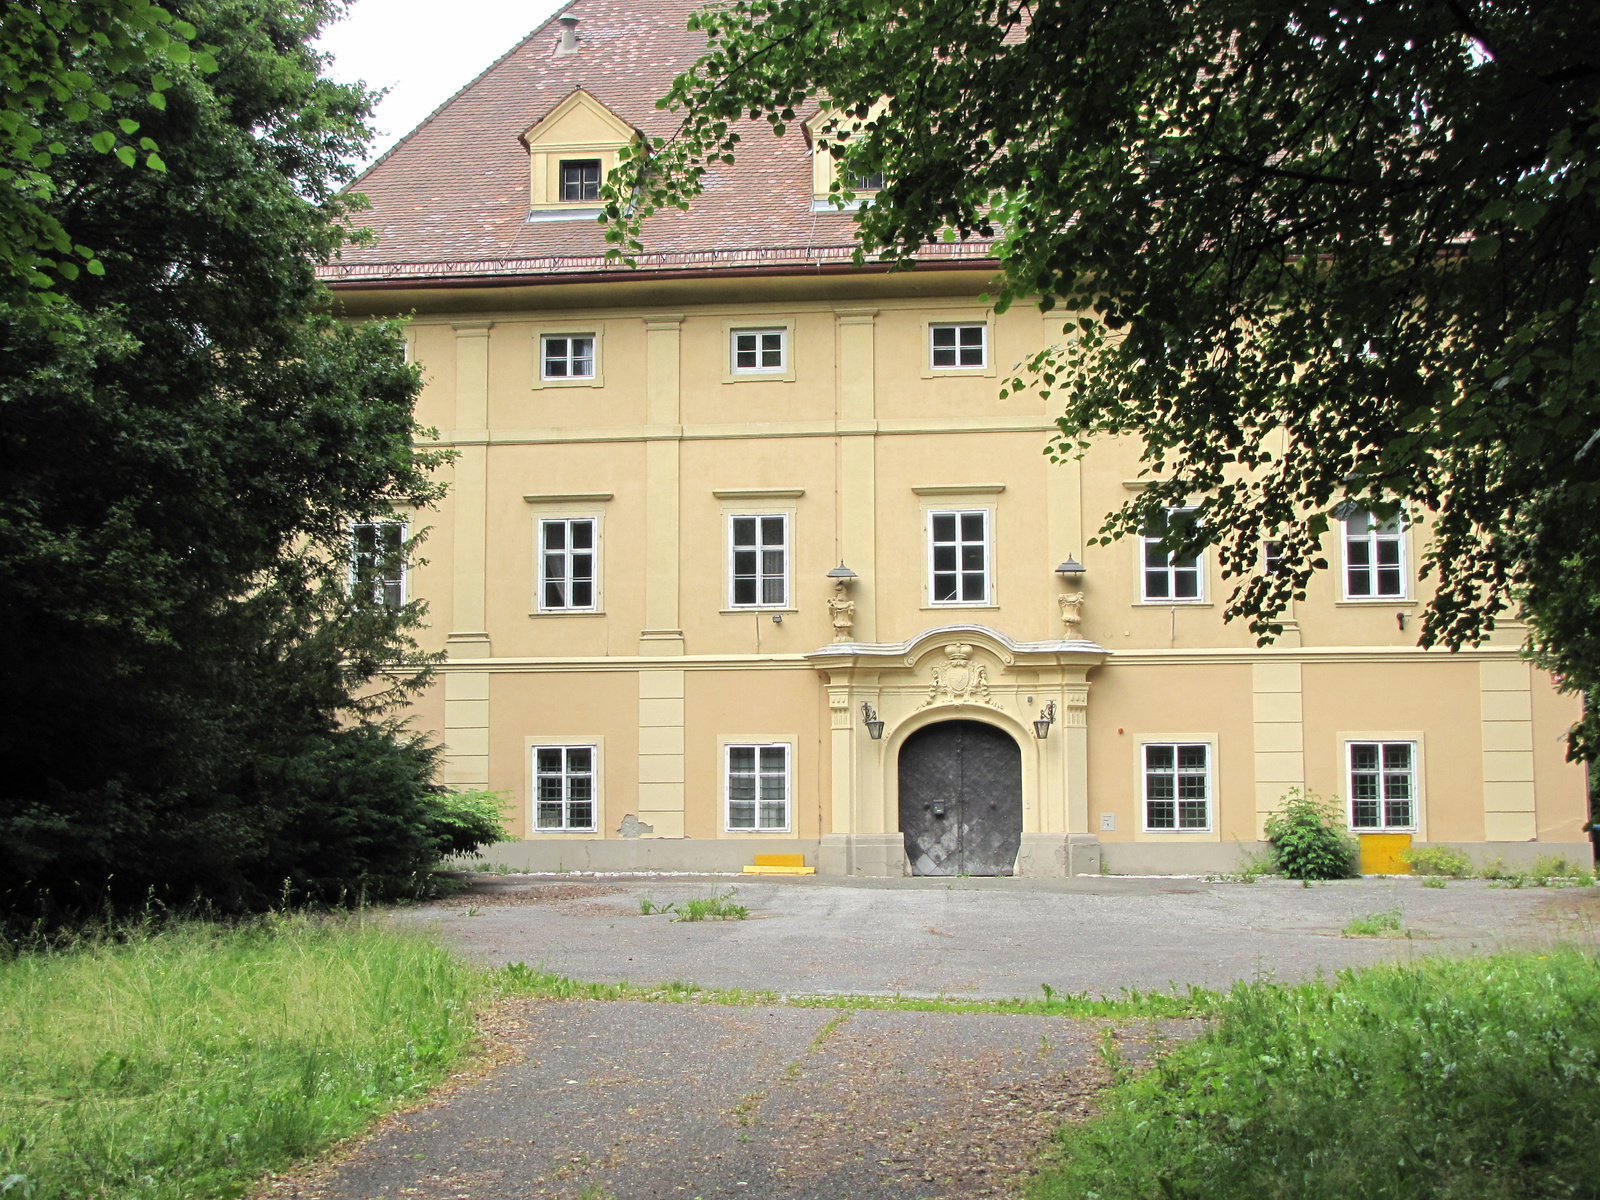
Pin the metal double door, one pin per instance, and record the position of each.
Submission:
(961, 799)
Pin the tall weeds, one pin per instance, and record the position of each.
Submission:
(1454, 1079)
(184, 1063)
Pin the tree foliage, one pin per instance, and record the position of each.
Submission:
(195, 700)
(1315, 255)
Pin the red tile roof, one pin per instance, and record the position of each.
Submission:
(450, 200)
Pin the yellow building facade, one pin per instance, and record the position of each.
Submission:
(743, 553)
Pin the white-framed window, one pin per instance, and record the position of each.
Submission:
(378, 562)
(1374, 558)
(580, 179)
(958, 556)
(1165, 577)
(758, 351)
(566, 356)
(1272, 558)
(952, 347)
(564, 787)
(1383, 785)
(758, 561)
(758, 785)
(1177, 786)
(568, 564)
(870, 182)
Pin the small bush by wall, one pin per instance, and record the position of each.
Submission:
(1308, 839)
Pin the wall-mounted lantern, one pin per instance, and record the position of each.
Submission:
(843, 574)
(1047, 718)
(869, 718)
(1072, 571)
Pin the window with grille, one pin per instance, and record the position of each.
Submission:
(1374, 558)
(564, 787)
(567, 564)
(567, 356)
(1165, 575)
(871, 182)
(959, 345)
(1383, 785)
(758, 786)
(760, 561)
(378, 562)
(758, 351)
(1272, 553)
(958, 556)
(1177, 785)
(580, 179)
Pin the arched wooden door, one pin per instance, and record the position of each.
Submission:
(961, 799)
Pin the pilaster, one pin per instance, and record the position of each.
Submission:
(1505, 694)
(663, 467)
(468, 636)
(466, 729)
(1279, 735)
(858, 470)
(661, 777)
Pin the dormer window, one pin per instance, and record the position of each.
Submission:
(863, 183)
(580, 179)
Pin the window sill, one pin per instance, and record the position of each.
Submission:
(1411, 829)
(538, 215)
(563, 833)
(959, 607)
(568, 612)
(1377, 602)
(578, 381)
(746, 609)
(1174, 604)
(759, 832)
(758, 376)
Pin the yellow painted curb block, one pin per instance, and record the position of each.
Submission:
(1380, 853)
(780, 860)
(759, 870)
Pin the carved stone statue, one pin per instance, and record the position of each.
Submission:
(959, 680)
(843, 610)
(1071, 611)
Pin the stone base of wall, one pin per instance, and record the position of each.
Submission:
(1058, 855)
(1519, 854)
(873, 855)
(711, 855)
(1224, 858)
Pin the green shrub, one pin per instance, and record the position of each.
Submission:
(1308, 839)
(1438, 860)
(462, 823)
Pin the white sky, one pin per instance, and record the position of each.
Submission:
(424, 51)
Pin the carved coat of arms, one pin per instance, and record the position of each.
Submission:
(959, 680)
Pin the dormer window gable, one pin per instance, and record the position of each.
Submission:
(570, 152)
(827, 130)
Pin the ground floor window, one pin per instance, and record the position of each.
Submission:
(1177, 785)
(1383, 785)
(758, 786)
(563, 787)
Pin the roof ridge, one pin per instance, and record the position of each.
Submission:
(460, 91)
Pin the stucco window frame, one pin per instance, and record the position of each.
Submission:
(593, 329)
(568, 507)
(759, 325)
(404, 581)
(1408, 574)
(1202, 574)
(1419, 776)
(725, 743)
(531, 744)
(981, 317)
(952, 503)
(1213, 800)
(788, 513)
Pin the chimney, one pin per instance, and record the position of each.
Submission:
(569, 36)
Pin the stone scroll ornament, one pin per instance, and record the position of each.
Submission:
(959, 680)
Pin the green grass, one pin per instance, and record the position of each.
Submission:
(186, 1063)
(1378, 924)
(1450, 1079)
(718, 906)
(519, 979)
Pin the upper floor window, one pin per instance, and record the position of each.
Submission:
(378, 562)
(958, 346)
(563, 787)
(759, 561)
(580, 179)
(756, 351)
(1177, 785)
(864, 183)
(958, 557)
(1272, 556)
(758, 786)
(1383, 785)
(567, 574)
(1374, 558)
(567, 356)
(1166, 576)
